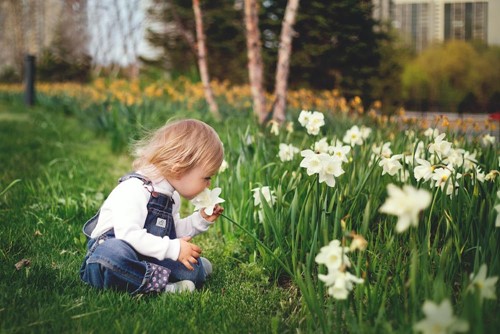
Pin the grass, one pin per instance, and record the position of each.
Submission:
(59, 173)
(257, 244)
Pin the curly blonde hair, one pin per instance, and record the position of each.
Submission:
(177, 147)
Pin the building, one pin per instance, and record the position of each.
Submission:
(422, 22)
(382, 10)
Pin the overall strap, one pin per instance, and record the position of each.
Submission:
(90, 225)
(148, 184)
(136, 175)
(159, 220)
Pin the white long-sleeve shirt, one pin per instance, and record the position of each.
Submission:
(125, 210)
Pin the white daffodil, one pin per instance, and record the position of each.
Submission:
(365, 132)
(455, 157)
(439, 319)
(485, 286)
(424, 170)
(224, 165)
(331, 168)
(492, 175)
(275, 127)
(480, 176)
(328, 167)
(406, 203)
(408, 159)
(321, 146)
(316, 121)
(440, 146)
(452, 189)
(419, 149)
(383, 150)
(391, 165)
(340, 283)
(311, 162)
(339, 150)
(312, 121)
(264, 191)
(353, 136)
(338, 280)
(249, 140)
(333, 256)
(441, 176)
(470, 161)
(410, 134)
(304, 117)
(431, 133)
(287, 152)
(207, 200)
(488, 140)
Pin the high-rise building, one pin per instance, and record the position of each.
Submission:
(422, 22)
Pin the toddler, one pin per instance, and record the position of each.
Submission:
(137, 241)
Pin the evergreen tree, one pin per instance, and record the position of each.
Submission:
(336, 44)
(171, 19)
(225, 37)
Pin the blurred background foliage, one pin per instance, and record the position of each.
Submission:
(337, 45)
(464, 76)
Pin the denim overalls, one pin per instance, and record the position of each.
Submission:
(113, 263)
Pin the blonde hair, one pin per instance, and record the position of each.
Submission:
(177, 147)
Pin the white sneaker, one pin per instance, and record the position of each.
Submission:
(206, 265)
(181, 286)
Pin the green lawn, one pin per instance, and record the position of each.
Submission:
(59, 174)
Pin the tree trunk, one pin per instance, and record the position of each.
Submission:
(255, 64)
(202, 61)
(283, 65)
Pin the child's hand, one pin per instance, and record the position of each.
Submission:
(218, 210)
(189, 253)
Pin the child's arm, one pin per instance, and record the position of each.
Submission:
(125, 210)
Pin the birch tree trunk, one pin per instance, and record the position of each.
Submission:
(255, 64)
(202, 61)
(283, 65)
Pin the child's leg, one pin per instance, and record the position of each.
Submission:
(113, 263)
(178, 272)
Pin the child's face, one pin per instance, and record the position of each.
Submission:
(191, 183)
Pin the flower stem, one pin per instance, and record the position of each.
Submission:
(283, 265)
